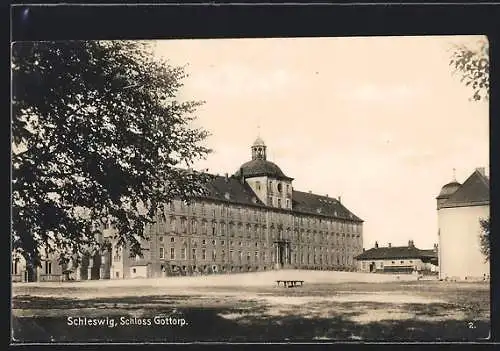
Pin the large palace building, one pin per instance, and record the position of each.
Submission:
(253, 220)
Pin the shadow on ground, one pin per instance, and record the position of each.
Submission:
(251, 323)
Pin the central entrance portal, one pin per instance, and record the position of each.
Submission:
(282, 255)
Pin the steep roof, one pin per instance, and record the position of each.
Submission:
(474, 191)
(321, 205)
(396, 252)
(231, 189)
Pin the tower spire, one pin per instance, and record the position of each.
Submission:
(259, 149)
(454, 175)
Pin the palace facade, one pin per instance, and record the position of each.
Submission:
(253, 220)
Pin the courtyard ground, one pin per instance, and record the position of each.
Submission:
(250, 307)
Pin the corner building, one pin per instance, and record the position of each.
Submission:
(460, 207)
(251, 221)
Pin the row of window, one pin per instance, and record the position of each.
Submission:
(241, 229)
(279, 188)
(381, 264)
(47, 267)
(344, 240)
(276, 202)
(249, 243)
(304, 258)
(194, 256)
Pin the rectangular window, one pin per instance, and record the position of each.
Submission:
(172, 206)
(279, 202)
(172, 253)
(183, 253)
(214, 255)
(172, 224)
(48, 267)
(172, 239)
(223, 255)
(203, 254)
(162, 253)
(194, 254)
(14, 267)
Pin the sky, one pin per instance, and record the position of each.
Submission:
(380, 121)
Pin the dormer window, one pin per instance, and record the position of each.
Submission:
(280, 187)
(257, 185)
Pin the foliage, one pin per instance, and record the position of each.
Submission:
(97, 137)
(473, 65)
(484, 238)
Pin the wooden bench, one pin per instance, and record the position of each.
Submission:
(290, 283)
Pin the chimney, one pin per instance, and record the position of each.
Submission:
(227, 177)
(340, 199)
(310, 191)
(389, 245)
(410, 243)
(436, 247)
(326, 195)
(376, 244)
(242, 178)
(481, 170)
(363, 249)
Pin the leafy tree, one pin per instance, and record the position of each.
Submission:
(484, 237)
(97, 136)
(473, 65)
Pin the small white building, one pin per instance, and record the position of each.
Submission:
(398, 259)
(460, 207)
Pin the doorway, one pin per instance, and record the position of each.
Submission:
(372, 267)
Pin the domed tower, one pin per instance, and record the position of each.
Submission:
(446, 191)
(265, 178)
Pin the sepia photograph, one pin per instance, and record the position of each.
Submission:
(263, 190)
